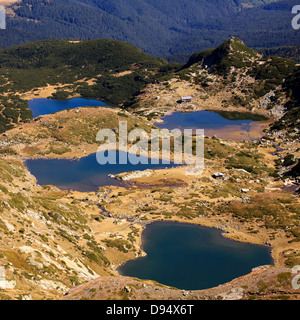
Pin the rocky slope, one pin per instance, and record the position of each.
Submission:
(232, 76)
(262, 283)
(52, 240)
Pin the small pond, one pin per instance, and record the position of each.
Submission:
(40, 107)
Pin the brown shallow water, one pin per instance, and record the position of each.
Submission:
(254, 131)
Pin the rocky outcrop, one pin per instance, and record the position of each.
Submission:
(132, 175)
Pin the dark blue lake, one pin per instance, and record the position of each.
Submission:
(85, 174)
(192, 257)
(41, 107)
(208, 120)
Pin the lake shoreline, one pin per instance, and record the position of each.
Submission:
(224, 234)
(187, 224)
(41, 106)
(87, 174)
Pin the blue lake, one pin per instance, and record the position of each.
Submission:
(41, 107)
(208, 120)
(85, 174)
(192, 257)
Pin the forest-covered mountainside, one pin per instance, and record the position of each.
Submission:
(116, 71)
(161, 28)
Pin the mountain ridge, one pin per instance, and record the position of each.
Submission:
(159, 28)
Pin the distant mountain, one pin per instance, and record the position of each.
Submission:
(292, 52)
(161, 28)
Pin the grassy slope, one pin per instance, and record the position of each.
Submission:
(64, 133)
